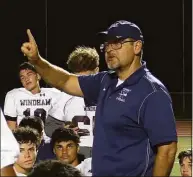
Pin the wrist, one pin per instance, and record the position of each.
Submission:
(35, 60)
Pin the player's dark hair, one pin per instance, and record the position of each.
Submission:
(83, 59)
(32, 122)
(64, 134)
(184, 154)
(27, 65)
(26, 135)
(51, 168)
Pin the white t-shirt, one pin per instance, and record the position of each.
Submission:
(9, 146)
(21, 102)
(85, 167)
(119, 82)
(73, 108)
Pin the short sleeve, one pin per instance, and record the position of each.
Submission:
(90, 86)
(9, 105)
(159, 120)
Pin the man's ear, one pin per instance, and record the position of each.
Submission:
(78, 148)
(96, 69)
(39, 77)
(138, 47)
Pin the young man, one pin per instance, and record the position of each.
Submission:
(65, 145)
(31, 100)
(82, 61)
(44, 149)
(132, 106)
(51, 168)
(9, 149)
(28, 140)
(185, 161)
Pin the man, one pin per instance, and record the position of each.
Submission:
(30, 100)
(9, 149)
(44, 149)
(51, 168)
(65, 145)
(185, 161)
(135, 133)
(82, 61)
(28, 140)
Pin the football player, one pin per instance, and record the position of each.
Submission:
(82, 61)
(28, 140)
(65, 145)
(30, 100)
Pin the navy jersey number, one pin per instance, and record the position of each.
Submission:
(85, 120)
(39, 112)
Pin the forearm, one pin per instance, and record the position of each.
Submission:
(164, 161)
(163, 165)
(51, 74)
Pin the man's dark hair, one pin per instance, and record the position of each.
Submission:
(32, 122)
(26, 135)
(52, 168)
(183, 154)
(83, 59)
(63, 134)
(27, 65)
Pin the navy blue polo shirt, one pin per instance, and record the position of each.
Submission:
(130, 120)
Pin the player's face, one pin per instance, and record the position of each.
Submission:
(121, 58)
(66, 151)
(27, 155)
(186, 167)
(29, 79)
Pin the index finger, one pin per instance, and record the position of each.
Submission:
(30, 36)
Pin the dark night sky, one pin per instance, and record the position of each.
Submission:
(76, 23)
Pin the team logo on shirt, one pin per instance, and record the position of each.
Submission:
(35, 102)
(123, 94)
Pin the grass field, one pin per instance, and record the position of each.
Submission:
(184, 142)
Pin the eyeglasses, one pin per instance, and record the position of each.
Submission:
(114, 45)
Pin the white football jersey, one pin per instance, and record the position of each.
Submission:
(21, 102)
(9, 146)
(85, 167)
(73, 109)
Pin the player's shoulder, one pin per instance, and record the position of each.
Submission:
(85, 167)
(75, 100)
(50, 90)
(15, 91)
(62, 95)
(87, 160)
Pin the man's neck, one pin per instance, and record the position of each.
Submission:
(126, 72)
(36, 90)
(21, 170)
(75, 162)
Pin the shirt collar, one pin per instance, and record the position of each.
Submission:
(134, 78)
(137, 75)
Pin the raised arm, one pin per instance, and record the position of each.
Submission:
(53, 75)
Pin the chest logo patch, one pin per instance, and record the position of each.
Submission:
(123, 94)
